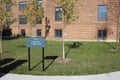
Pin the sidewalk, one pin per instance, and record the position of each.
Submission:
(108, 76)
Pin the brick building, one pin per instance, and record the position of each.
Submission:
(97, 21)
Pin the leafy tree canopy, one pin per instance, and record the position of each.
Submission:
(6, 18)
(33, 12)
(69, 13)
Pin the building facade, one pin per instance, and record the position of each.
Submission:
(98, 20)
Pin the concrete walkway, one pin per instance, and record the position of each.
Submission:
(108, 76)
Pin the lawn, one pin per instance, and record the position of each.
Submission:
(86, 58)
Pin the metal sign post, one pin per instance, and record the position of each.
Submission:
(35, 42)
(43, 58)
(29, 58)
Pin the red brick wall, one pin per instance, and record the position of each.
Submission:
(85, 28)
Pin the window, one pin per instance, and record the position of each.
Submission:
(102, 12)
(38, 32)
(58, 14)
(22, 5)
(102, 34)
(58, 33)
(38, 20)
(8, 7)
(23, 32)
(39, 3)
(8, 21)
(22, 19)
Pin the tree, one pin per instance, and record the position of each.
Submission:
(69, 15)
(118, 24)
(114, 9)
(33, 12)
(6, 17)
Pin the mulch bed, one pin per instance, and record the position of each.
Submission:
(113, 49)
(61, 60)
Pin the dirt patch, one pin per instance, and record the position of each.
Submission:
(4, 53)
(113, 50)
(61, 60)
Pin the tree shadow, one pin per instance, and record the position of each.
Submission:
(72, 46)
(50, 58)
(5, 61)
(6, 69)
(9, 38)
(112, 47)
(22, 46)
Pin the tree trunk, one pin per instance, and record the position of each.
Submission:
(117, 35)
(63, 42)
(0, 40)
(30, 34)
(63, 49)
(0, 44)
(118, 25)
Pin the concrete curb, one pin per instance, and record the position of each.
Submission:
(106, 76)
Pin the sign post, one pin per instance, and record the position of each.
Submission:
(36, 42)
(29, 58)
(43, 58)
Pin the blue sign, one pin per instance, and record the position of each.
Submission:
(35, 42)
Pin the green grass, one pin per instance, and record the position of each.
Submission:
(87, 58)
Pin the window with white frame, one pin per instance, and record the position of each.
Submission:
(102, 12)
(38, 20)
(22, 5)
(8, 7)
(58, 14)
(38, 32)
(22, 19)
(39, 3)
(58, 33)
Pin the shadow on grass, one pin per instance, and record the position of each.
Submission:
(72, 46)
(5, 61)
(36, 65)
(112, 48)
(9, 38)
(46, 58)
(50, 58)
(110, 45)
(22, 46)
(6, 69)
